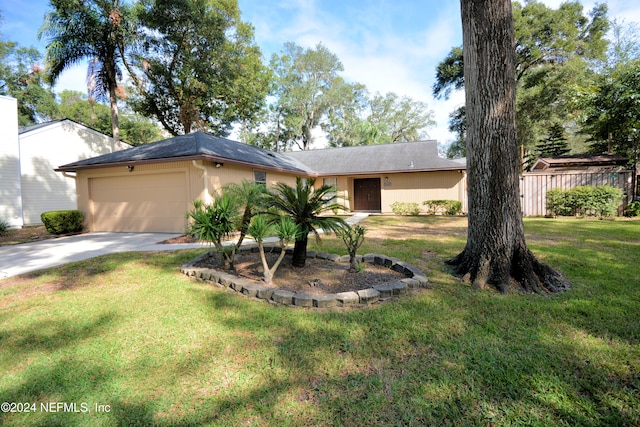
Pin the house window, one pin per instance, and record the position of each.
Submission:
(260, 177)
(331, 195)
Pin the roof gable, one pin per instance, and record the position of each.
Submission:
(197, 145)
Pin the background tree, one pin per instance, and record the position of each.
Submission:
(555, 144)
(458, 125)
(95, 30)
(555, 52)
(135, 129)
(612, 113)
(496, 252)
(196, 66)
(307, 87)
(78, 107)
(401, 118)
(22, 77)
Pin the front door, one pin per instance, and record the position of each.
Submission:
(366, 194)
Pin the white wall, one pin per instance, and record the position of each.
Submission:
(10, 200)
(44, 149)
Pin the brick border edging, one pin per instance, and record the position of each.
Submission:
(415, 279)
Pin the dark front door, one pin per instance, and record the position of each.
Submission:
(366, 194)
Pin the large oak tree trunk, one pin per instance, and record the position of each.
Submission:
(496, 252)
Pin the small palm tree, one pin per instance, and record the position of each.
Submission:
(305, 204)
(262, 228)
(250, 197)
(214, 222)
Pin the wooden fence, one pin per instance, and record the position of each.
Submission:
(534, 187)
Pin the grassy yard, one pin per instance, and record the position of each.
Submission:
(130, 333)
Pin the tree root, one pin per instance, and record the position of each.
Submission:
(522, 271)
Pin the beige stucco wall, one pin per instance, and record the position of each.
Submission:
(194, 182)
(408, 187)
(219, 177)
(404, 187)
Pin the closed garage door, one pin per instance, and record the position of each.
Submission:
(143, 203)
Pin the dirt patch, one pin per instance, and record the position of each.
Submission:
(179, 239)
(25, 235)
(317, 277)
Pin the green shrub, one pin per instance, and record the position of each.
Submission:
(586, 200)
(4, 227)
(557, 202)
(633, 209)
(405, 208)
(62, 222)
(443, 207)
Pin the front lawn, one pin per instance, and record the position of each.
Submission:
(127, 340)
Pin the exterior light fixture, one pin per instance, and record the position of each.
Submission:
(130, 168)
(219, 165)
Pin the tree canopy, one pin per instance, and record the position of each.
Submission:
(196, 66)
(94, 30)
(310, 96)
(23, 78)
(555, 49)
(307, 87)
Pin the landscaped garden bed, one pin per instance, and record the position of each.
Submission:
(324, 282)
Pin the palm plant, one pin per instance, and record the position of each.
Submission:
(249, 196)
(261, 228)
(214, 222)
(96, 30)
(305, 205)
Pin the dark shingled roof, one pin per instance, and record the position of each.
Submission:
(197, 145)
(579, 160)
(387, 158)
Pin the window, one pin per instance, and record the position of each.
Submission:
(260, 177)
(331, 195)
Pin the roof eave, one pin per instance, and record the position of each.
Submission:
(391, 171)
(206, 157)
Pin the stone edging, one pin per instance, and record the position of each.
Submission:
(415, 279)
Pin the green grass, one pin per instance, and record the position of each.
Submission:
(130, 332)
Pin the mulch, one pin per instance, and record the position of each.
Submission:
(318, 276)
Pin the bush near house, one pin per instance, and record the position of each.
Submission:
(405, 208)
(586, 200)
(4, 227)
(633, 209)
(62, 222)
(443, 207)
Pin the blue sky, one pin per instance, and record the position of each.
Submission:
(388, 45)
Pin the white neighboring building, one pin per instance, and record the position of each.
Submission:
(32, 153)
(10, 196)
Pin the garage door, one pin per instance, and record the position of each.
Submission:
(144, 203)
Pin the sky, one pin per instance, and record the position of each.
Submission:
(387, 45)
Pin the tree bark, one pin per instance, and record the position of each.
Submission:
(299, 257)
(496, 252)
(113, 99)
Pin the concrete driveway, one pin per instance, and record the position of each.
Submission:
(27, 257)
